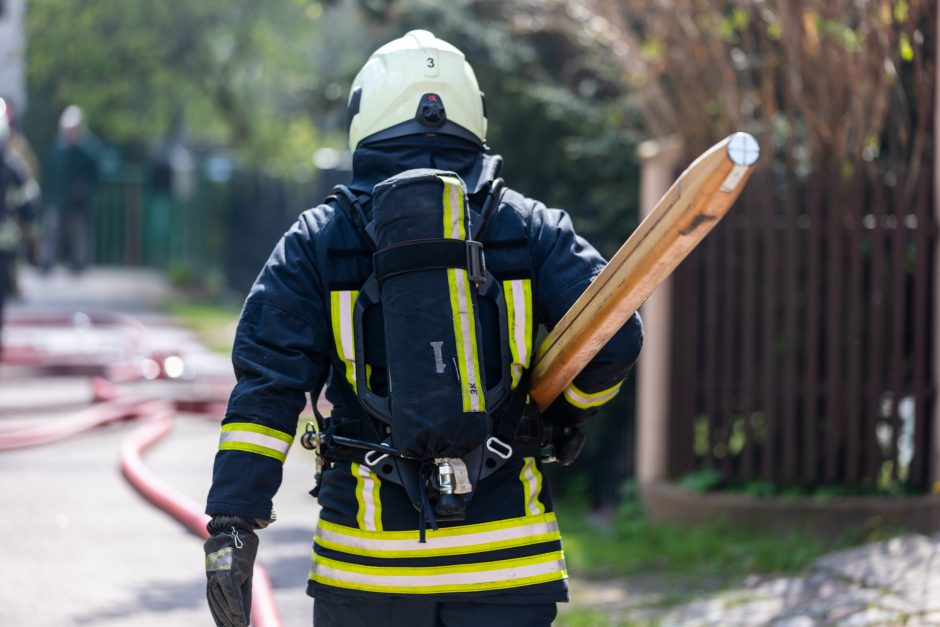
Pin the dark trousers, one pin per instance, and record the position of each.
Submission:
(424, 613)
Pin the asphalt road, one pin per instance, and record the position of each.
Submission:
(80, 546)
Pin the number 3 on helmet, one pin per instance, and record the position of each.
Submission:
(415, 84)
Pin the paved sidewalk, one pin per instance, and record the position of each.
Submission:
(83, 548)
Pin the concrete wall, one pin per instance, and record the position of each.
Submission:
(659, 160)
(13, 53)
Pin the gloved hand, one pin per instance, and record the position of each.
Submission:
(230, 558)
(563, 429)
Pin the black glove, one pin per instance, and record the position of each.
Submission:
(563, 429)
(230, 559)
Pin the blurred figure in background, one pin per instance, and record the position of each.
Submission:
(71, 178)
(21, 147)
(19, 193)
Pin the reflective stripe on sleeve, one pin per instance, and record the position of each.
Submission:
(252, 438)
(518, 295)
(342, 304)
(585, 400)
(461, 303)
(514, 532)
(491, 575)
(369, 516)
(531, 479)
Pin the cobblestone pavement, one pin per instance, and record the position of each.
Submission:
(895, 582)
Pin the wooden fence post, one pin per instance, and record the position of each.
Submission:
(659, 159)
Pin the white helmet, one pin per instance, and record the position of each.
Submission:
(415, 84)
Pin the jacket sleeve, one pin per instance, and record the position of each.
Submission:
(565, 265)
(280, 354)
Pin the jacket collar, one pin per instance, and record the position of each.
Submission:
(376, 162)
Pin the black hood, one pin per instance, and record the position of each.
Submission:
(378, 161)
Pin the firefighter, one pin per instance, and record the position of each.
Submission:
(415, 104)
(19, 193)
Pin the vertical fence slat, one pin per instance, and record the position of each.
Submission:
(811, 329)
(834, 283)
(769, 469)
(728, 315)
(748, 298)
(711, 378)
(923, 229)
(854, 307)
(898, 324)
(875, 333)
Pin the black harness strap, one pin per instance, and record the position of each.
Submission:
(430, 254)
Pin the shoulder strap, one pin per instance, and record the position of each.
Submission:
(353, 208)
(490, 205)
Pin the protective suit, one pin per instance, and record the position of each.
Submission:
(503, 562)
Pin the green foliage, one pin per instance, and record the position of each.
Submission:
(224, 72)
(634, 546)
(702, 480)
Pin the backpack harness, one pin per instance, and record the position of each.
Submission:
(362, 431)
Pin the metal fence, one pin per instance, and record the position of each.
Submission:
(801, 335)
(213, 231)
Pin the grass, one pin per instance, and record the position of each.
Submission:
(213, 323)
(633, 545)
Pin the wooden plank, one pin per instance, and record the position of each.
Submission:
(698, 199)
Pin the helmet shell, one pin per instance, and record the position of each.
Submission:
(391, 90)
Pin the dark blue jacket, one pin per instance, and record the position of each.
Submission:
(293, 337)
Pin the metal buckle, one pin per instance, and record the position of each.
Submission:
(494, 443)
(372, 462)
(475, 263)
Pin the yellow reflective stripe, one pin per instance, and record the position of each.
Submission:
(523, 531)
(442, 532)
(342, 306)
(254, 438)
(489, 575)
(584, 400)
(369, 516)
(517, 582)
(531, 486)
(461, 303)
(518, 296)
(453, 208)
(432, 550)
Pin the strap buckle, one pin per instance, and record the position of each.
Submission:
(475, 267)
(371, 460)
(498, 447)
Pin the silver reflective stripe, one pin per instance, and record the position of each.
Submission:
(258, 439)
(220, 560)
(456, 203)
(521, 307)
(518, 535)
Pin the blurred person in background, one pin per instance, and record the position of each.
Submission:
(22, 149)
(71, 178)
(19, 195)
(405, 549)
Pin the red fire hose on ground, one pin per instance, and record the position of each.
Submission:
(158, 416)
